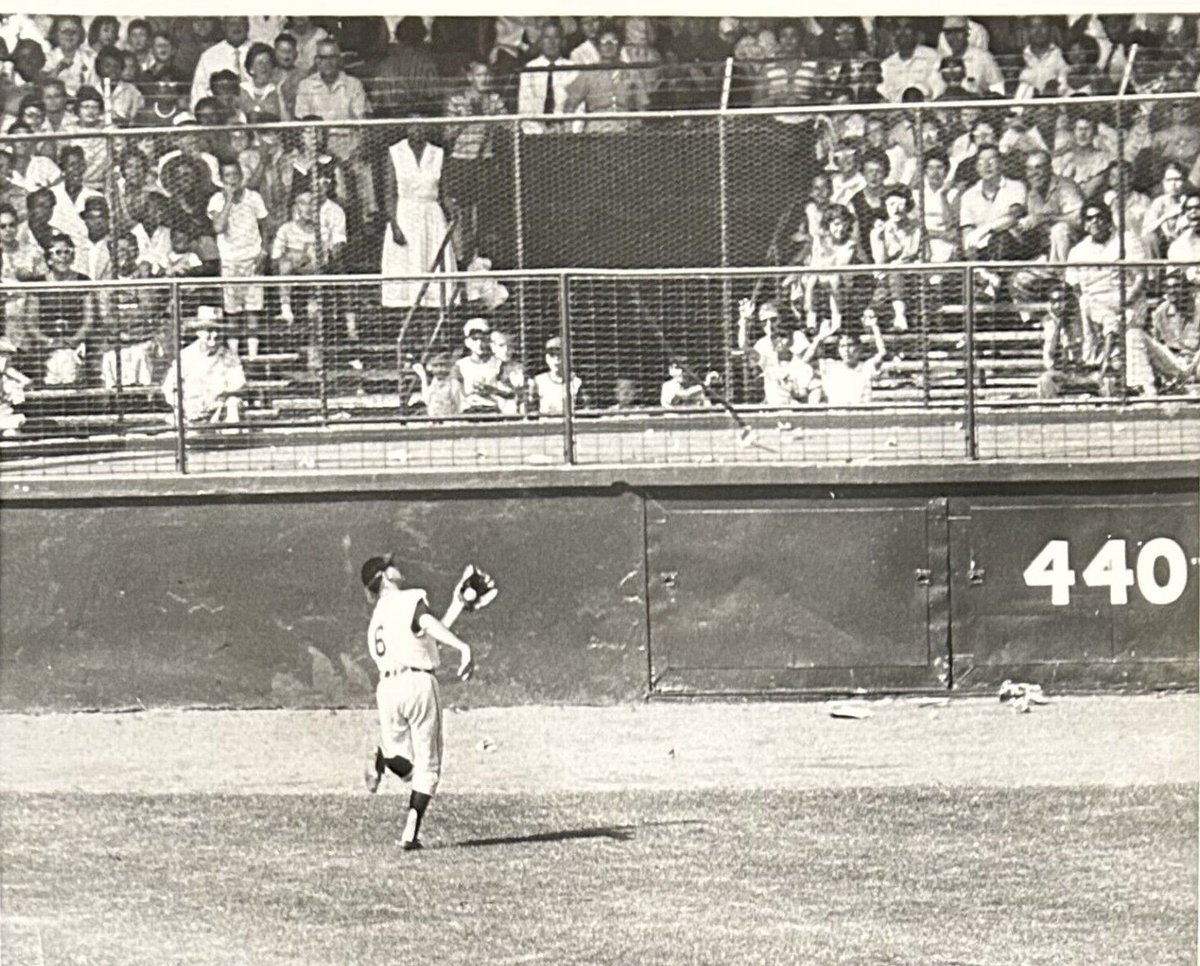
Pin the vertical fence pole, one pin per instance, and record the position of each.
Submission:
(316, 347)
(723, 196)
(925, 250)
(1119, 348)
(109, 318)
(519, 227)
(180, 418)
(564, 328)
(969, 342)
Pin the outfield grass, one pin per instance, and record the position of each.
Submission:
(922, 875)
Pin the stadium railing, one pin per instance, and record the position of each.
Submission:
(963, 379)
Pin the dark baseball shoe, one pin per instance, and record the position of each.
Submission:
(413, 846)
(373, 771)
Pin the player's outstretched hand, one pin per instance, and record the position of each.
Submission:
(476, 589)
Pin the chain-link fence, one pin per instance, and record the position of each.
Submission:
(892, 363)
(632, 190)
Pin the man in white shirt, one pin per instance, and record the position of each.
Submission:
(212, 376)
(990, 210)
(1186, 248)
(982, 73)
(543, 87)
(264, 30)
(227, 54)
(1101, 308)
(1044, 61)
(912, 65)
(976, 36)
(333, 95)
(586, 52)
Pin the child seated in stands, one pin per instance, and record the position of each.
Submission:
(152, 234)
(820, 194)
(484, 294)
(896, 241)
(836, 245)
(130, 329)
(1060, 347)
(294, 252)
(12, 390)
(182, 259)
(625, 393)
(441, 395)
(682, 390)
(790, 379)
(510, 377)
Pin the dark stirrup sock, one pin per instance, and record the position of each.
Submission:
(399, 766)
(417, 803)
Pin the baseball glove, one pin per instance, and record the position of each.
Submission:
(476, 589)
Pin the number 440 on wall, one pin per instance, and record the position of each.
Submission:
(1109, 568)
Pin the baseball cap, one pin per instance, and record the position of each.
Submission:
(554, 342)
(954, 23)
(374, 567)
(95, 204)
(476, 325)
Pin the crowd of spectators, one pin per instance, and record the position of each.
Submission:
(1022, 181)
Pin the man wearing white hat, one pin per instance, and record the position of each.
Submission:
(212, 374)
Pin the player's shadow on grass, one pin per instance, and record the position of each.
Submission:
(616, 833)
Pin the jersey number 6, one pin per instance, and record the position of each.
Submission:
(380, 646)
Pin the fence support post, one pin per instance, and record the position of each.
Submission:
(926, 253)
(316, 344)
(969, 343)
(723, 198)
(1122, 283)
(564, 328)
(180, 417)
(519, 224)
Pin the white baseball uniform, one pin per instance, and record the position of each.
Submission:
(410, 709)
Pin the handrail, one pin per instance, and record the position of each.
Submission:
(199, 282)
(990, 105)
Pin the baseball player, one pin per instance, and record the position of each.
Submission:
(402, 637)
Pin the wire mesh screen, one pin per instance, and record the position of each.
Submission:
(635, 193)
(868, 213)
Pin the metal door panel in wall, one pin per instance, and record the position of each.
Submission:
(1074, 590)
(776, 594)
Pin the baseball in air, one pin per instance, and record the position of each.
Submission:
(468, 594)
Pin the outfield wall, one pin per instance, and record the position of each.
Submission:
(197, 591)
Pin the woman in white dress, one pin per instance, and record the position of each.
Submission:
(418, 224)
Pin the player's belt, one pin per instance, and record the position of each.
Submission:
(396, 673)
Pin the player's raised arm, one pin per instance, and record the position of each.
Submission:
(443, 635)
